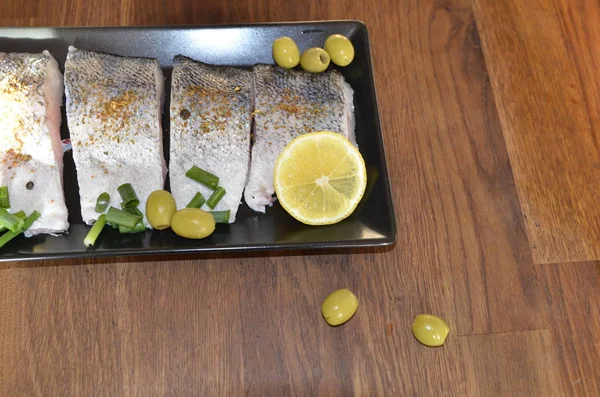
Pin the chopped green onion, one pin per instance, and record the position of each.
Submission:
(20, 215)
(128, 195)
(6, 237)
(203, 177)
(197, 201)
(214, 198)
(10, 221)
(121, 218)
(139, 227)
(95, 231)
(4, 201)
(134, 211)
(221, 216)
(102, 202)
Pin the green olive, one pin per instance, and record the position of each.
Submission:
(339, 307)
(286, 53)
(193, 223)
(340, 49)
(315, 60)
(430, 330)
(160, 208)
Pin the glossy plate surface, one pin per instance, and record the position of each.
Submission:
(372, 224)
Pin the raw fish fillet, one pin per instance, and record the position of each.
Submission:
(290, 103)
(31, 154)
(113, 110)
(211, 113)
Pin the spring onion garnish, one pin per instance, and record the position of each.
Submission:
(102, 202)
(134, 211)
(214, 198)
(128, 195)
(121, 218)
(20, 215)
(221, 216)
(10, 221)
(197, 201)
(139, 227)
(4, 201)
(95, 231)
(6, 237)
(203, 177)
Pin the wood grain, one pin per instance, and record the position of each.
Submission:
(534, 370)
(551, 128)
(250, 325)
(573, 296)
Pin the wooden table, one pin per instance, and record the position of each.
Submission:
(490, 111)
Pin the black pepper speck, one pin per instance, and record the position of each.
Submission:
(185, 114)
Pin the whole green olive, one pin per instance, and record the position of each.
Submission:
(315, 60)
(430, 330)
(193, 223)
(286, 53)
(339, 307)
(160, 208)
(340, 49)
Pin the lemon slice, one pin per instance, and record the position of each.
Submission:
(319, 178)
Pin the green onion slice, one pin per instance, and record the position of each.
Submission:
(214, 198)
(121, 218)
(204, 177)
(197, 201)
(95, 231)
(221, 216)
(130, 199)
(6, 237)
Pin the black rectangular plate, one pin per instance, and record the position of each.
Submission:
(372, 224)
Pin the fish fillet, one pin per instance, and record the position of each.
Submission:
(113, 111)
(31, 162)
(290, 103)
(211, 113)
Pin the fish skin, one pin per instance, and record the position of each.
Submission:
(290, 103)
(113, 110)
(211, 115)
(31, 93)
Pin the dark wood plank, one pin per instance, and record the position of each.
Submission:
(551, 135)
(532, 370)
(122, 329)
(456, 190)
(573, 299)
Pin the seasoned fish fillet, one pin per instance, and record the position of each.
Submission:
(113, 110)
(31, 162)
(211, 113)
(288, 104)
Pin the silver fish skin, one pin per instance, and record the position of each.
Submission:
(211, 114)
(290, 103)
(31, 163)
(114, 114)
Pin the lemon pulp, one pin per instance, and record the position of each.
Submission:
(320, 178)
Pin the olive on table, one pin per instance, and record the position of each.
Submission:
(160, 208)
(286, 53)
(339, 307)
(340, 49)
(193, 223)
(315, 60)
(430, 330)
